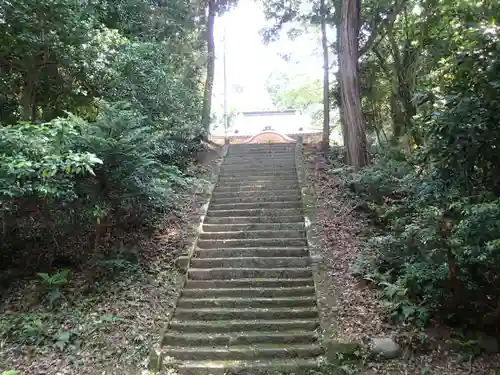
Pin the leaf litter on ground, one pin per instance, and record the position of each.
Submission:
(359, 314)
(103, 323)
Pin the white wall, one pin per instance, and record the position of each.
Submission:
(282, 123)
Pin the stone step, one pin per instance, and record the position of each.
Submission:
(248, 273)
(254, 166)
(261, 149)
(219, 326)
(252, 242)
(271, 162)
(279, 212)
(259, 181)
(251, 252)
(239, 338)
(257, 197)
(243, 172)
(252, 234)
(297, 218)
(246, 313)
(249, 292)
(272, 366)
(209, 228)
(259, 154)
(246, 302)
(258, 178)
(268, 188)
(251, 262)
(243, 352)
(256, 205)
(249, 283)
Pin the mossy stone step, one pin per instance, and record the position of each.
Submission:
(278, 212)
(245, 273)
(252, 367)
(239, 338)
(247, 283)
(271, 171)
(294, 218)
(257, 178)
(252, 234)
(209, 228)
(246, 302)
(258, 172)
(256, 197)
(263, 187)
(249, 292)
(244, 161)
(251, 252)
(251, 242)
(257, 205)
(251, 262)
(240, 325)
(244, 352)
(252, 165)
(246, 313)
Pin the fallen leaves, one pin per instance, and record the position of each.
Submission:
(108, 317)
(359, 314)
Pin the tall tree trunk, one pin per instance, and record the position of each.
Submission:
(349, 51)
(325, 143)
(209, 84)
(28, 97)
(338, 10)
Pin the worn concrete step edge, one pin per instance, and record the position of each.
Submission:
(258, 173)
(251, 178)
(241, 325)
(244, 352)
(279, 212)
(268, 252)
(263, 181)
(263, 171)
(251, 242)
(249, 292)
(256, 205)
(246, 302)
(210, 228)
(245, 273)
(246, 313)
(263, 166)
(172, 338)
(251, 262)
(247, 283)
(294, 218)
(272, 366)
(222, 235)
(257, 198)
(264, 187)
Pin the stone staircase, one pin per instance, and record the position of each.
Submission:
(249, 303)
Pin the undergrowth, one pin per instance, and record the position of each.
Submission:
(432, 252)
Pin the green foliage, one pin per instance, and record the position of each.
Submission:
(435, 250)
(100, 105)
(52, 284)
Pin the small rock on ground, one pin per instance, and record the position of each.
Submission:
(385, 347)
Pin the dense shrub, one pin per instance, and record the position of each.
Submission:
(100, 109)
(71, 176)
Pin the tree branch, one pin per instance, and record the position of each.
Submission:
(382, 27)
